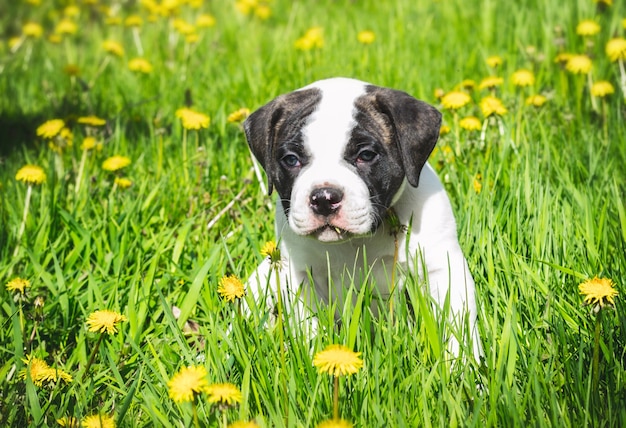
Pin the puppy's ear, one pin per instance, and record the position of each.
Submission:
(415, 125)
(278, 120)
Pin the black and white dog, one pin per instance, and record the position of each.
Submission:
(341, 153)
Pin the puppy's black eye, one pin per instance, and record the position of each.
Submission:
(291, 161)
(366, 156)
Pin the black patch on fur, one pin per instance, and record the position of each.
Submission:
(274, 131)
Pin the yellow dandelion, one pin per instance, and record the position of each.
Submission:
(18, 284)
(312, 39)
(205, 20)
(366, 37)
(113, 47)
(523, 78)
(14, 43)
(123, 182)
(98, 421)
(579, 64)
(69, 422)
(140, 65)
(494, 61)
(104, 321)
(492, 105)
(238, 115)
(231, 288)
(602, 88)
(183, 27)
(262, 12)
(536, 100)
(470, 123)
(490, 82)
(338, 360)
(31, 174)
(616, 49)
(478, 186)
(133, 21)
(243, 424)
(89, 143)
(188, 382)
(113, 21)
(245, 7)
(598, 291)
(224, 394)
(115, 163)
(66, 26)
(588, 27)
(455, 100)
(192, 38)
(51, 128)
(444, 129)
(271, 250)
(335, 423)
(91, 121)
(32, 29)
(37, 369)
(467, 84)
(192, 119)
(71, 70)
(563, 58)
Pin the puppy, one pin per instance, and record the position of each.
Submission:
(341, 154)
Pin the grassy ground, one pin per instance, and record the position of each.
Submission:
(539, 195)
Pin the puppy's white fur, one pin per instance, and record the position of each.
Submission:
(432, 244)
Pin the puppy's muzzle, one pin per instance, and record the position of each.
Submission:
(325, 201)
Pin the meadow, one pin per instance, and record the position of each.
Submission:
(129, 203)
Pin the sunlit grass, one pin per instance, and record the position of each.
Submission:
(539, 193)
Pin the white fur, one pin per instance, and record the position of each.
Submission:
(433, 236)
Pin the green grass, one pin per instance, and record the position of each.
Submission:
(551, 214)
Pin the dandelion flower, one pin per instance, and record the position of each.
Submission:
(602, 88)
(470, 123)
(71, 11)
(41, 373)
(66, 26)
(579, 64)
(88, 143)
(205, 20)
(224, 394)
(32, 29)
(563, 58)
(494, 61)
(588, 27)
(91, 121)
(272, 251)
(187, 382)
(312, 39)
(366, 37)
(536, 100)
(71, 70)
(123, 182)
(238, 115)
(492, 105)
(439, 93)
(490, 82)
(115, 163)
(444, 129)
(51, 128)
(31, 174)
(335, 423)
(523, 78)
(133, 21)
(262, 12)
(468, 84)
(231, 288)
(140, 65)
(598, 291)
(616, 49)
(98, 421)
(478, 186)
(338, 360)
(18, 284)
(104, 321)
(69, 422)
(113, 47)
(192, 119)
(183, 27)
(455, 100)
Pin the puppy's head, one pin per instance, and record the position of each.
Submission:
(338, 151)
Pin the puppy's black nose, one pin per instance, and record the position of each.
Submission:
(326, 200)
